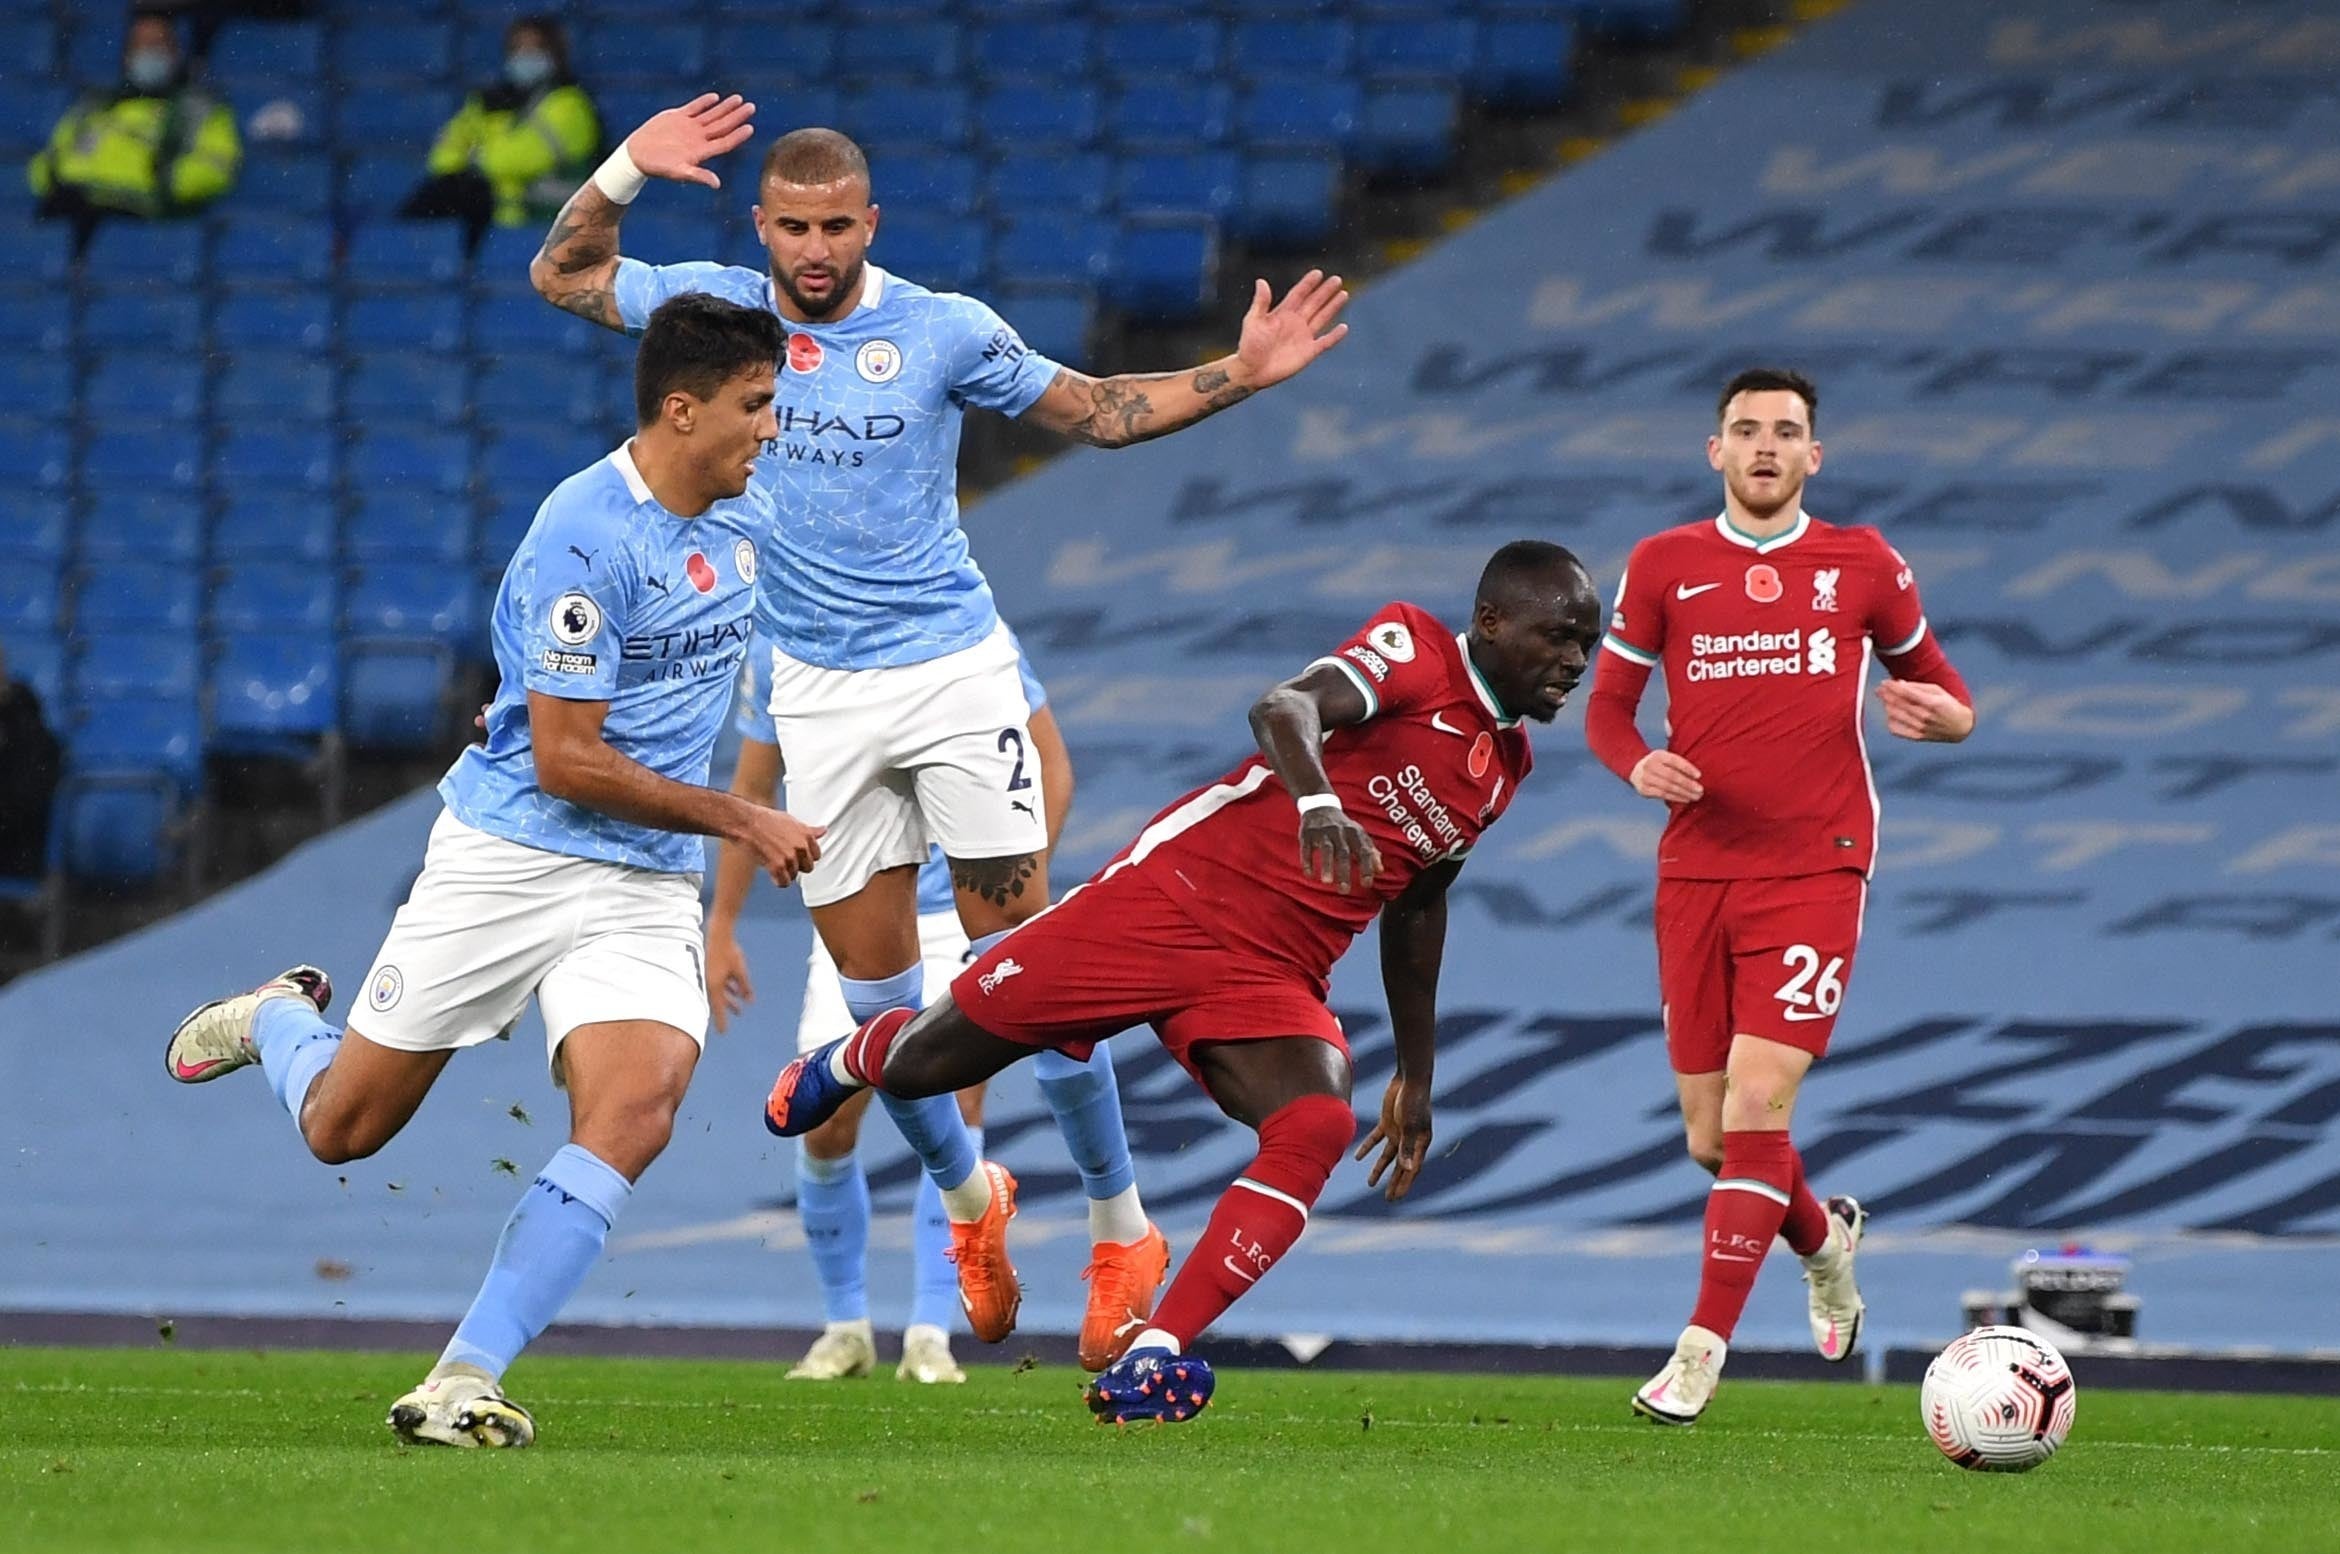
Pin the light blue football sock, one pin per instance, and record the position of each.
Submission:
(832, 1200)
(295, 1046)
(550, 1243)
(934, 1298)
(932, 1128)
(1087, 1104)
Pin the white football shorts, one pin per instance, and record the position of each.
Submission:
(490, 922)
(893, 760)
(942, 949)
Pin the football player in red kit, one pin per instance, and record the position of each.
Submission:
(1387, 760)
(1764, 620)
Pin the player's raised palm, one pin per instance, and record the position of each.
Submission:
(1281, 339)
(678, 142)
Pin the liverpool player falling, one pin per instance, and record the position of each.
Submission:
(1387, 760)
(1764, 619)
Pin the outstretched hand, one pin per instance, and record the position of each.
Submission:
(1280, 340)
(1921, 710)
(678, 142)
(1403, 1134)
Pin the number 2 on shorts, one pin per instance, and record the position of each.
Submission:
(1017, 781)
(1826, 995)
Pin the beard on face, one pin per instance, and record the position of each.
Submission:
(847, 283)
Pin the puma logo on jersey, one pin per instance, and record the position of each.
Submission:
(1019, 804)
(1686, 591)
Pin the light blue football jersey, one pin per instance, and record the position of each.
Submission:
(612, 598)
(869, 567)
(753, 718)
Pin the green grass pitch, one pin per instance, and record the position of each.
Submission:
(184, 1451)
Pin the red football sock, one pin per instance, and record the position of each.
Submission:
(1744, 1209)
(1805, 1229)
(863, 1056)
(1258, 1218)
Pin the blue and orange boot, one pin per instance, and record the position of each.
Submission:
(1151, 1386)
(807, 1093)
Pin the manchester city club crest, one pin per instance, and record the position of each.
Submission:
(743, 557)
(879, 361)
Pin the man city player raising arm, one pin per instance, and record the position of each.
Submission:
(567, 862)
(894, 688)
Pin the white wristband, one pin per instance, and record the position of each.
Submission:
(1309, 801)
(619, 178)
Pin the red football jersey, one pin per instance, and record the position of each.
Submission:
(1436, 760)
(1765, 647)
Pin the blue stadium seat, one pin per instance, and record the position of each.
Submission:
(1164, 268)
(1314, 45)
(29, 600)
(395, 694)
(272, 695)
(244, 52)
(272, 321)
(29, 112)
(136, 383)
(1635, 21)
(1289, 201)
(500, 263)
(299, 183)
(411, 599)
(156, 252)
(262, 598)
(537, 455)
(1188, 47)
(1207, 182)
(39, 453)
(141, 319)
(914, 118)
(142, 457)
(386, 116)
(36, 384)
(1043, 183)
(42, 253)
(946, 185)
(36, 321)
(274, 384)
(805, 50)
(382, 56)
(143, 525)
(36, 532)
(160, 665)
(644, 53)
(397, 524)
(374, 184)
(1054, 248)
(93, 50)
(525, 322)
(1054, 320)
(116, 826)
(132, 596)
(1040, 48)
(403, 321)
(1410, 129)
(526, 383)
(275, 457)
(1417, 43)
(28, 49)
(255, 252)
(913, 51)
(387, 254)
(942, 253)
(403, 386)
(1014, 119)
(1289, 111)
(1021, 10)
(409, 458)
(273, 526)
(38, 659)
(1523, 62)
(676, 231)
(1167, 112)
(508, 511)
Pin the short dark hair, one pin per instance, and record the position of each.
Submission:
(695, 344)
(1759, 380)
(810, 157)
(1521, 565)
(548, 27)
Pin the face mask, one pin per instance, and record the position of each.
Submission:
(528, 69)
(150, 70)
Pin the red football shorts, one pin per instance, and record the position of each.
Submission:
(1754, 957)
(1119, 952)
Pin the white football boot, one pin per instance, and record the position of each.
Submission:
(844, 1349)
(926, 1357)
(1678, 1394)
(1836, 1301)
(216, 1039)
(459, 1405)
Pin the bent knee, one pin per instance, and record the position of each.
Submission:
(338, 1141)
(1320, 1127)
(1707, 1150)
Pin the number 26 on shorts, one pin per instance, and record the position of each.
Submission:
(1811, 992)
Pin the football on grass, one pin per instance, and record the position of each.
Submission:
(1999, 1400)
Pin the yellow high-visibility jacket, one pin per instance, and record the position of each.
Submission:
(147, 156)
(533, 155)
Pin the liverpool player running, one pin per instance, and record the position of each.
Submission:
(1388, 759)
(1764, 619)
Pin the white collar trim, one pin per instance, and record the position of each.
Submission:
(873, 292)
(1788, 536)
(1487, 699)
(623, 458)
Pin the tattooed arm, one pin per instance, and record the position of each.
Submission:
(1277, 342)
(576, 270)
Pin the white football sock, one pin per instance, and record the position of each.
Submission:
(968, 1202)
(1152, 1338)
(1120, 1218)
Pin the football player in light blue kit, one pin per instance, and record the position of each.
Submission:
(893, 684)
(567, 862)
(832, 1193)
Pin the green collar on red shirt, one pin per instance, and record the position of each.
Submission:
(1487, 696)
(1738, 536)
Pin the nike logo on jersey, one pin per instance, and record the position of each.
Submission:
(1685, 591)
(1438, 722)
(1802, 1014)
